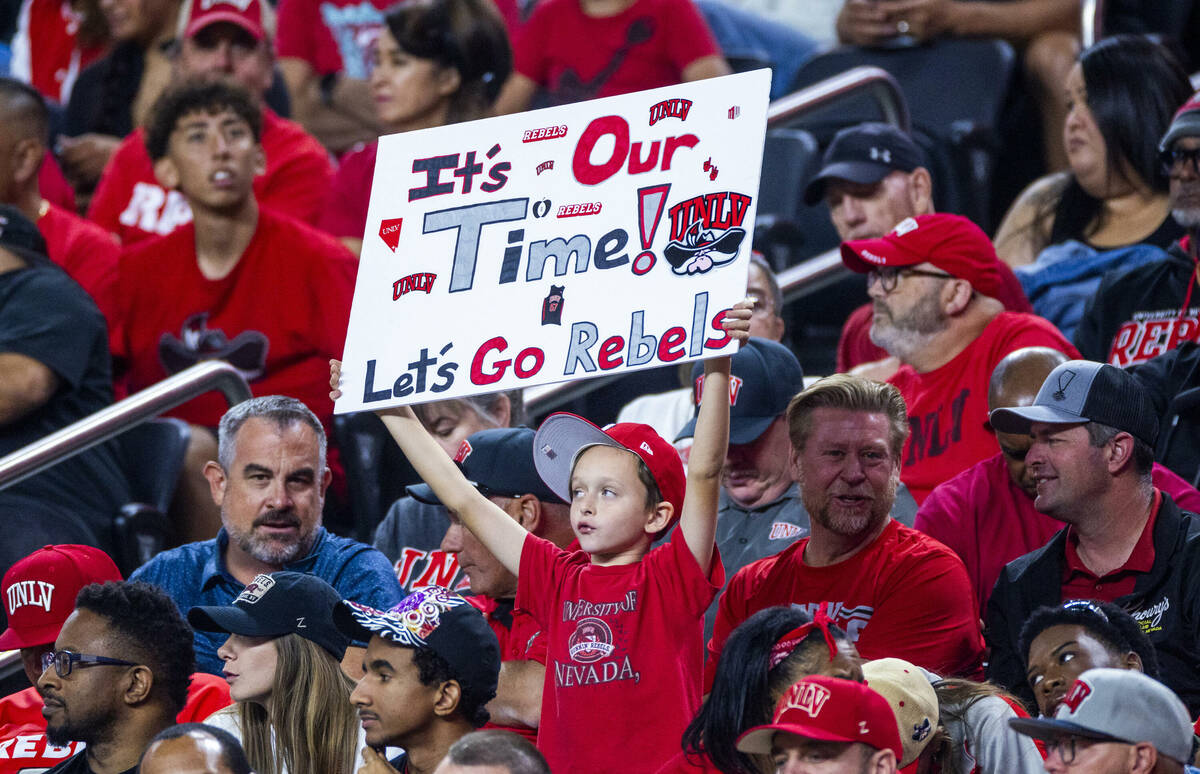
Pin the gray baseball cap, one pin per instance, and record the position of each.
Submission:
(1085, 391)
(1118, 705)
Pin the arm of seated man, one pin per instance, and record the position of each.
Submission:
(518, 699)
(26, 385)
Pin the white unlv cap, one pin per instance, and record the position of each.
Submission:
(1118, 705)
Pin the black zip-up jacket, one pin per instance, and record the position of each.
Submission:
(1172, 382)
(1165, 601)
(1134, 315)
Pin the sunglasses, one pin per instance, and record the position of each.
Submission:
(1176, 157)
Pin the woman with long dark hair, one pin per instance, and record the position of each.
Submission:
(436, 62)
(766, 654)
(1121, 95)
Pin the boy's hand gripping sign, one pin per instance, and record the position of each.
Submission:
(578, 241)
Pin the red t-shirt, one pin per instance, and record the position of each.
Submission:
(331, 35)
(279, 316)
(985, 518)
(575, 56)
(23, 745)
(905, 595)
(625, 646)
(947, 407)
(1078, 582)
(45, 48)
(86, 252)
(520, 640)
(345, 210)
(130, 203)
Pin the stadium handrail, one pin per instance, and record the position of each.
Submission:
(121, 416)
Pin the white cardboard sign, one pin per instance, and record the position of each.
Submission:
(572, 242)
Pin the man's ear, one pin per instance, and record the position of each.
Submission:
(449, 694)
(528, 512)
(956, 296)
(218, 480)
(166, 173)
(1120, 452)
(260, 160)
(326, 477)
(1143, 758)
(881, 762)
(140, 682)
(27, 159)
(1133, 661)
(920, 190)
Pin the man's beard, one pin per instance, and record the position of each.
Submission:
(903, 336)
(822, 511)
(1188, 217)
(86, 730)
(270, 550)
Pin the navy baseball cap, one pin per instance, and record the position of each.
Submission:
(763, 377)
(438, 619)
(864, 153)
(277, 604)
(497, 461)
(1085, 391)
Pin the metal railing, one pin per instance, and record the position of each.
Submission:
(875, 80)
(812, 272)
(119, 417)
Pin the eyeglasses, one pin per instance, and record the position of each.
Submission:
(889, 276)
(1068, 747)
(64, 661)
(1085, 605)
(1175, 157)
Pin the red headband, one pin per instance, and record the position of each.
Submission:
(790, 641)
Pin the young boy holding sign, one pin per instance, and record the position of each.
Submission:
(624, 622)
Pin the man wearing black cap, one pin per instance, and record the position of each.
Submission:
(1126, 542)
(500, 463)
(872, 177)
(54, 370)
(431, 666)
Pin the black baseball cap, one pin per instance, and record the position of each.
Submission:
(764, 376)
(497, 461)
(438, 619)
(277, 604)
(1085, 391)
(19, 235)
(864, 153)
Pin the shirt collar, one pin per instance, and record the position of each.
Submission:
(1141, 559)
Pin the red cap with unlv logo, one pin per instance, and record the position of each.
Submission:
(828, 709)
(950, 242)
(39, 591)
(246, 14)
(562, 437)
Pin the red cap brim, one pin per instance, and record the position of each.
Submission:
(864, 255)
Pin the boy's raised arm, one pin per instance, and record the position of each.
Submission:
(709, 444)
(491, 525)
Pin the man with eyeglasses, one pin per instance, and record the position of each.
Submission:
(934, 282)
(117, 676)
(38, 594)
(1146, 311)
(1114, 721)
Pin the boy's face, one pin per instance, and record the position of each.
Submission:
(608, 507)
(392, 702)
(212, 158)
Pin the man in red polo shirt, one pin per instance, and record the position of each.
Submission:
(230, 41)
(1093, 432)
(934, 283)
(986, 514)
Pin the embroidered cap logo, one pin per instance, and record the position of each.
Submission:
(1064, 381)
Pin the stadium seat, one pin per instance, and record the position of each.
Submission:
(151, 455)
(376, 471)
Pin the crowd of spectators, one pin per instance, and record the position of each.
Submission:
(969, 550)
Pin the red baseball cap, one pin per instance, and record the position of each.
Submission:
(563, 436)
(828, 709)
(246, 14)
(950, 242)
(39, 591)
